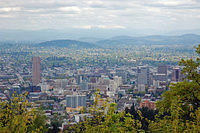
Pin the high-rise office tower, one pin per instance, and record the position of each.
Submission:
(162, 70)
(143, 75)
(122, 73)
(176, 74)
(162, 73)
(36, 71)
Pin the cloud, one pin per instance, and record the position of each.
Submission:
(5, 16)
(102, 14)
(100, 26)
(95, 4)
(10, 9)
(173, 2)
(70, 10)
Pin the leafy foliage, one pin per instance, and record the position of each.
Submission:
(179, 111)
(106, 119)
(19, 116)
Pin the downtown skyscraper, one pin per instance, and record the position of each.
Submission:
(143, 75)
(36, 71)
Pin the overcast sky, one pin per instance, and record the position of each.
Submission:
(103, 14)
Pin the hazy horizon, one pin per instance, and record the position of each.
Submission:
(76, 34)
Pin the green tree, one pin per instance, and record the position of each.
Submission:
(56, 122)
(18, 115)
(106, 119)
(179, 111)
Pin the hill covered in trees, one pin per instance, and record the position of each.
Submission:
(120, 41)
(66, 43)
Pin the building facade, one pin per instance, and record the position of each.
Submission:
(75, 101)
(176, 74)
(162, 70)
(143, 75)
(36, 71)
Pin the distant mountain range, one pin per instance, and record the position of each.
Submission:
(83, 34)
(186, 39)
